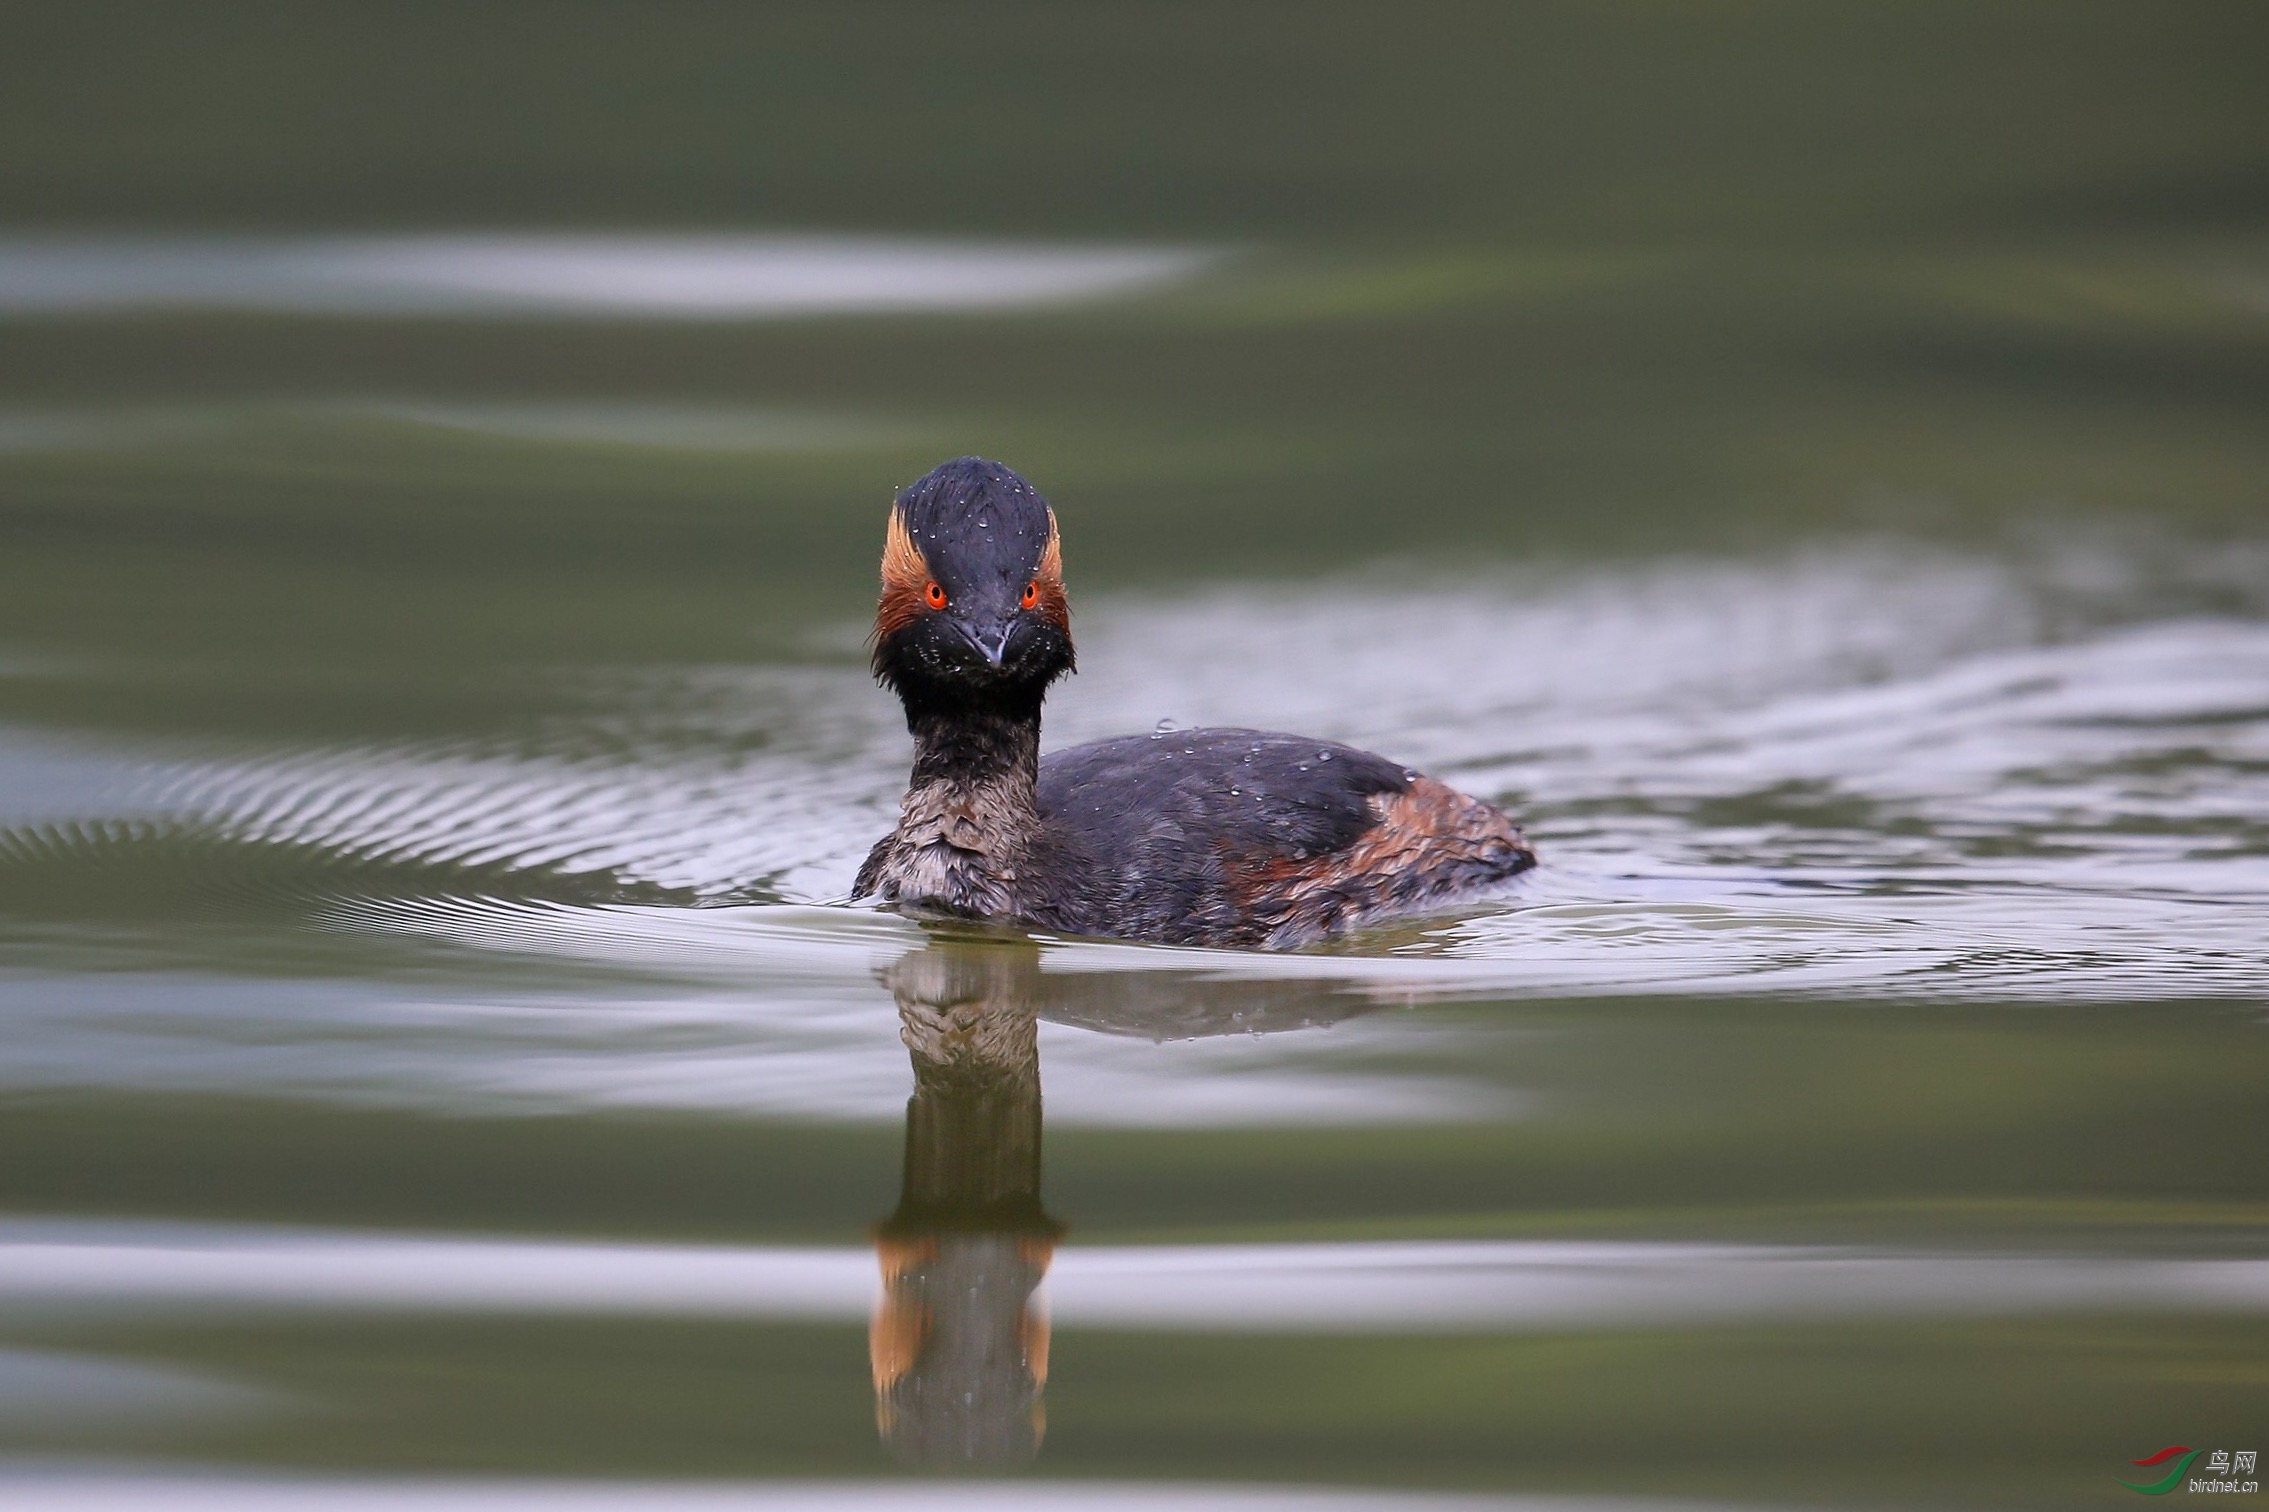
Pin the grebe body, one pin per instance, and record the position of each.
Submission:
(1187, 837)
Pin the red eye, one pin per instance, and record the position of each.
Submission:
(935, 593)
(1032, 593)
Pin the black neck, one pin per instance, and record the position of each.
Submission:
(973, 746)
(969, 827)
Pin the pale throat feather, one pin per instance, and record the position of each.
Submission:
(960, 843)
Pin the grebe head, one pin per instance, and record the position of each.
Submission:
(973, 610)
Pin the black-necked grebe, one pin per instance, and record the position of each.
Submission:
(1199, 837)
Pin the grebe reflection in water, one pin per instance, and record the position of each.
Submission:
(1207, 837)
(959, 1341)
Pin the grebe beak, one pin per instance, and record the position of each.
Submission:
(991, 641)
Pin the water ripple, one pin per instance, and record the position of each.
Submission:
(650, 277)
(1860, 774)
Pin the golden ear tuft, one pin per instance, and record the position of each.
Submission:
(905, 579)
(901, 558)
(1048, 579)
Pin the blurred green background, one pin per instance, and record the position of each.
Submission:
(1530, 280)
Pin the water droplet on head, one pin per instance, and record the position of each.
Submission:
(1163, 727)
(1323, 755)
